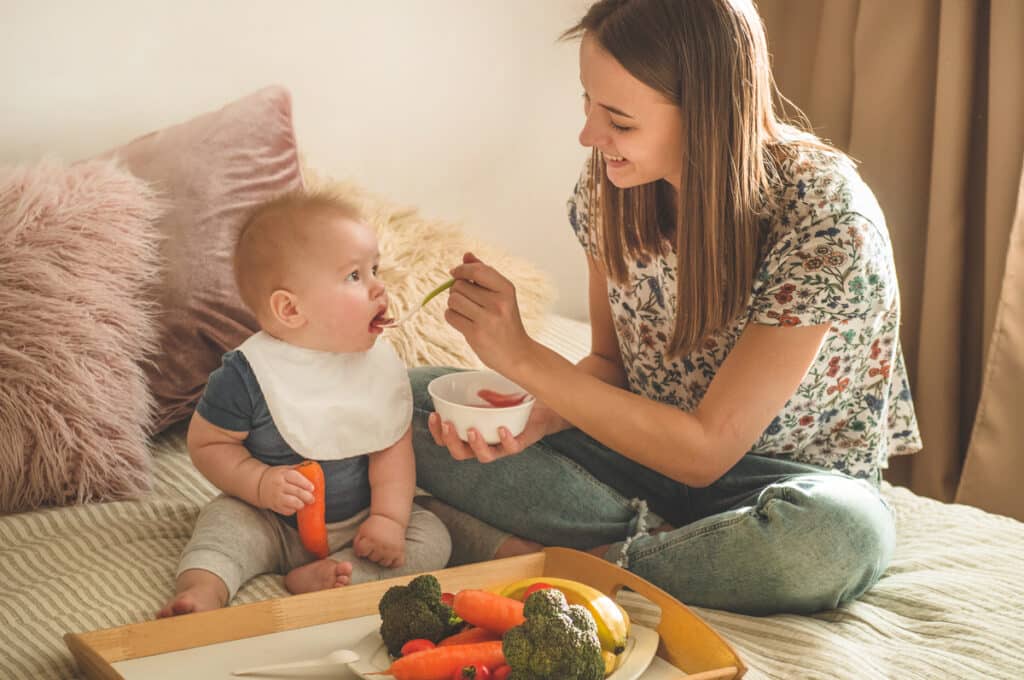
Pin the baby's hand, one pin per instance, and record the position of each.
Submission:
(381, 539)
(284, 490)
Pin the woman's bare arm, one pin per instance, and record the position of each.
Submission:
(753, 384)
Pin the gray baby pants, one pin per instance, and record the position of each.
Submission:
(237, 541)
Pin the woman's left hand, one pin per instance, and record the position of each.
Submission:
(482, 306)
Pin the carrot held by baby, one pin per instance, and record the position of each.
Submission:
(311, 518)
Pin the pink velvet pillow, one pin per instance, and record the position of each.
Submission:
(78, 255)
(211, 170)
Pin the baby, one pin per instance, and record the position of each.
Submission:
(314, 383)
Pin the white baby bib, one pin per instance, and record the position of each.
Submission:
(330, 406)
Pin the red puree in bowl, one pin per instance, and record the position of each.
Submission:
(499, 400)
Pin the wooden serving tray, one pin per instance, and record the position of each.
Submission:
(687, 642)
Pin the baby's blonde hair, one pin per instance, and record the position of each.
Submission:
(273, 234)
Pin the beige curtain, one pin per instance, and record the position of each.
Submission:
(929, 96)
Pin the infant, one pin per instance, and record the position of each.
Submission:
(316, 382)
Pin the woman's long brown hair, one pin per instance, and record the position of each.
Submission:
(710, 58)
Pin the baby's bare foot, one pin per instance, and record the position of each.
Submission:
(196, 590)
(319, 575)
(196, 599)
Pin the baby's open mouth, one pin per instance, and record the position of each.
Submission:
(380, 320)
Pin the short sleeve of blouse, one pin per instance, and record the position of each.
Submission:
(579, 207)
(226, 401)
(827, 270)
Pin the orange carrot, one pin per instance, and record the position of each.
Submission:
(441, 663)
(488, 610)
(469, 636)
(311, 520)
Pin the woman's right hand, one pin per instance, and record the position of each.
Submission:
(542, 422)
(284, 490)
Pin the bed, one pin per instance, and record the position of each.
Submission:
(949, 605)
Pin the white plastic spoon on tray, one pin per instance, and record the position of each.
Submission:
(336, 658)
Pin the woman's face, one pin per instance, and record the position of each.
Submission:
(636, 129)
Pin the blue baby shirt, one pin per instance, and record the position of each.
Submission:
(234, 401)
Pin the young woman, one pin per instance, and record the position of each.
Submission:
(745, 386)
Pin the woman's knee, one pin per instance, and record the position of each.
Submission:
(847, 537)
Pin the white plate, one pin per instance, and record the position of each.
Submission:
(641, 646)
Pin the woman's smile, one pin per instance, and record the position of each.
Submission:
(614, 161)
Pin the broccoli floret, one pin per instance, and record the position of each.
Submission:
(415, 611)
(558, 641)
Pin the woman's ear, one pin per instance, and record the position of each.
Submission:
(284, 307)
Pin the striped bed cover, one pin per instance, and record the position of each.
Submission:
(951, 605)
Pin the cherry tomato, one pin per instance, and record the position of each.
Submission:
(501, 672)
(534, 588)
(448, 598)
(472, 673)
(416, 645)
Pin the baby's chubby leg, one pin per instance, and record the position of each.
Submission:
(195, 590)
(427, 548)
(305, 573)
(474, 540)
(231, 543)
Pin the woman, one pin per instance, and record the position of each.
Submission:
(745, 386)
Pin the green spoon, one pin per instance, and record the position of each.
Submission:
(412, 311)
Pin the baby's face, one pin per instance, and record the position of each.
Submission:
(338, 291)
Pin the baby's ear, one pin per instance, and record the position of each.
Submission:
(284, 308)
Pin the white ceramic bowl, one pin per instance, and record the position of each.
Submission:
(456, 401)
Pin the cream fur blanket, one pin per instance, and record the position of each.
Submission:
(416, 254)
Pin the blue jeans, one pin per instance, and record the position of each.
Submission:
(771, 535)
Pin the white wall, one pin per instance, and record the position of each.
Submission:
(468, 109)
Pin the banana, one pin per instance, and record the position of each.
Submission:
(612, 620)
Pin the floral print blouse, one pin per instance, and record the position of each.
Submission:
(829, 260)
